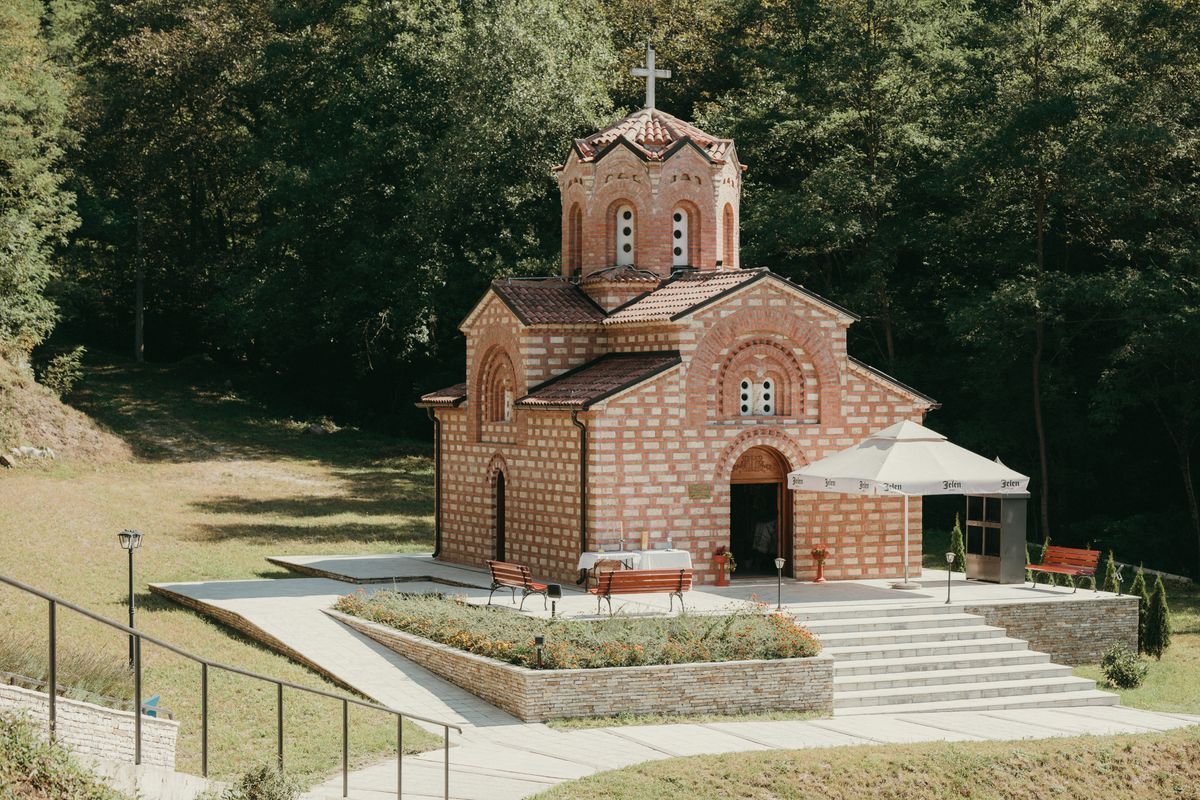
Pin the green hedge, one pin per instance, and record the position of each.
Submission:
(578, 644)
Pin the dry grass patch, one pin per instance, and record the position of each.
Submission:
(1146, 767)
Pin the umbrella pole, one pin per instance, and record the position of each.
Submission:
(905, 556)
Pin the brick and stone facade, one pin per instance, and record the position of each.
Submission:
(725, 687)
(1073, 632)
(546, 450)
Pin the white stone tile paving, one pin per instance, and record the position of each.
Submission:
(499, 757)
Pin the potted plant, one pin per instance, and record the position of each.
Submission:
(819, 554)
(725, 565)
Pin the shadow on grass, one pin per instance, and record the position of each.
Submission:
(410, 535)
(192, 411)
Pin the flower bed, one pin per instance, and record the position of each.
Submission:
(574, 644)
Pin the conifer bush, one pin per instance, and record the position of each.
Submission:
(958, 547)
(1158, 622)
(1051, 578)
(1112, 583)
(1123, 668)
(1138, 590)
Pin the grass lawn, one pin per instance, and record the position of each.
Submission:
(219, 483)
(1145, 767)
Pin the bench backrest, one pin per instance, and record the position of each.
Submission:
(644, 580)
(1071, 557)
(507, 574)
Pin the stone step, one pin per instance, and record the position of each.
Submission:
(815, 613)
(890, 623)
(939, 649)
(877, 638)
(937, 662)
(948, 676)
(1093, 697)
(918, 695)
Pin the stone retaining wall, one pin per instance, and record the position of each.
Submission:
(96, 731)
(729, 687)
(1073, 632)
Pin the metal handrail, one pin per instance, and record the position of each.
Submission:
(205, 664)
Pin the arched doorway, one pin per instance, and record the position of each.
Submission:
(760, 514)
(500, 515)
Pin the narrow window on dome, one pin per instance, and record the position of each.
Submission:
(680, 252)
(624, 235)
(746, 401)
(757, 398)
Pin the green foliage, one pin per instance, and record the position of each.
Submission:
(35, 211)
(63, 371)
(1111, 582)
(1138, 590)
(1028, 573)
(575, 644)
(1050, 577)
(1158, 621)
(1123, 668)
(264, 782)
(29, 767)
(958, 547)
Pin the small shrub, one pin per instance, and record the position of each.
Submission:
(63, 371)
(1138, 590)
(958, 547)
(1112, 582)
(31, 768)
(1123, 668)
(1158, 622)
(1051, 578)
(266, 782)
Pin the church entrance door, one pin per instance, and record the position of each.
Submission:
(760, 520)
(500, 516)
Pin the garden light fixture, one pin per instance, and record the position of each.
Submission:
(539, 641)
(949, 572)
(779, 562)
(130, 540)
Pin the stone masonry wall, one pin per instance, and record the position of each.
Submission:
(95, 731)
(731, 687)
(1073, 632)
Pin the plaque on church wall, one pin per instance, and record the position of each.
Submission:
(699, 491)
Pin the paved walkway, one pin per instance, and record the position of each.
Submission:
(498, 756)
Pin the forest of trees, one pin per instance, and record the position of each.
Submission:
(1008, 192)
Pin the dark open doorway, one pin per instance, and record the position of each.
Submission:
(500, 516)
(754, 527)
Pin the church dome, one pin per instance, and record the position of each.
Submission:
(654, 135)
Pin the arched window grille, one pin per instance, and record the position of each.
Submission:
(758, 397)
(625, 222)
(681, 253)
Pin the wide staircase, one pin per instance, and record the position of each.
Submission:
(903, 659)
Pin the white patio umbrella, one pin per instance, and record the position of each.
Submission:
(907, 459)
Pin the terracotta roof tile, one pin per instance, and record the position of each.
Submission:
(598, 379)
(652, 133)
(622, 274)
(680, 294)
(450, 396)
(548, 301)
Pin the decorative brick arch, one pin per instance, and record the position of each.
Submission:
(495, 343)
(496, 468)
(704, 369)
(782, 365)
(772, 438)
(496, 465)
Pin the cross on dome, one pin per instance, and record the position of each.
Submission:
(650, 73)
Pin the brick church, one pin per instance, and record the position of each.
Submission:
(656, 387)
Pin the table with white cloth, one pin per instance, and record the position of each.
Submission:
(639, 559)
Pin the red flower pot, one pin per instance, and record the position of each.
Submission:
(722, 571)
(820, 572)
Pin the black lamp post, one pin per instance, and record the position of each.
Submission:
(779, 562)
(539, 641)
(130, 540)
(949, 572)
(554, 592)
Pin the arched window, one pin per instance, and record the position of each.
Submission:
(728, 231)
(758, 397)
(624, 222)
(574, 245)
(499, 383)
(681, 253)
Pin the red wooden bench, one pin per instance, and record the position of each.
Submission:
(1068, 561)
(642, 581)
(513, 577)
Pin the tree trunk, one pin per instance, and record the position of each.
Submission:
(139, 321)
(1040, 426)
(1185, 467)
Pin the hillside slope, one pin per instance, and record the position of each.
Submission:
(31, 415)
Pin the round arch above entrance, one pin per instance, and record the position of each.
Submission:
(759, 464)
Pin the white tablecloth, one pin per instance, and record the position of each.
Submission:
(640, 559)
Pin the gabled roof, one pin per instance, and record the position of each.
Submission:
(653, 135)
(545, 301)
(885, 378)
(445, 398)
(596, 380)
(681, 294)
